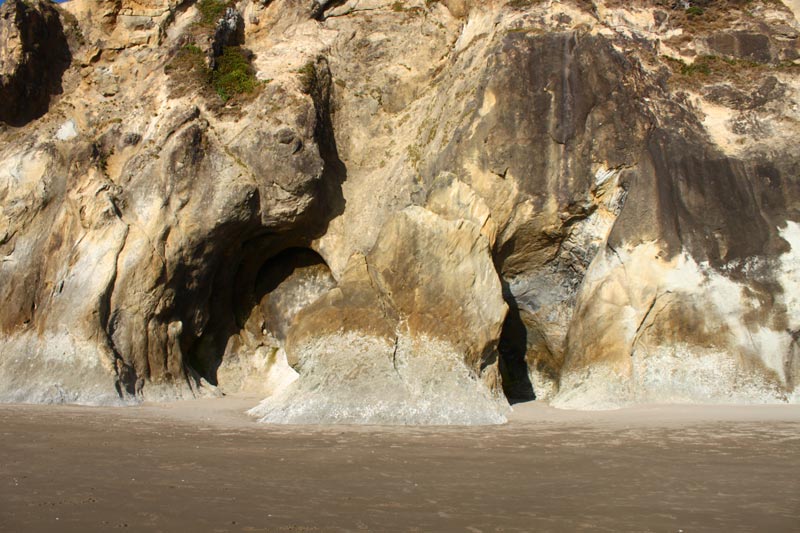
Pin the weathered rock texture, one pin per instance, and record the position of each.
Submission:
(405, 334)
(421, 205)
(33, 56)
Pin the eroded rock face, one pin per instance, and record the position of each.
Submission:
(416, 207)
(149, 224)
(408, 336)
(555, 178)
(708, 313)
(33, 56)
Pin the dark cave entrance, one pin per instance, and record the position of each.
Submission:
(254, 301)
(513, 348)
(289, 282)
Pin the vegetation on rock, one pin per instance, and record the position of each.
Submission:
(211, 11)
(188, 69)
(713, 69)
(234, 75)
(308, 77)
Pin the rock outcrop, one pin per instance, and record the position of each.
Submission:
(371, 211)
(228, 32)
(33, 56)
(390, 343)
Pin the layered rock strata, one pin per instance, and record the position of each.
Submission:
(393, 212)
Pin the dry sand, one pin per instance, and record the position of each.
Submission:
(205, 466)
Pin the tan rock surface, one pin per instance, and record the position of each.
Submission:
(408, 336)
(399, 171)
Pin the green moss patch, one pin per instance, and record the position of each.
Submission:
(308, 77)
(211, 11)
(234, 75)
(709, 65)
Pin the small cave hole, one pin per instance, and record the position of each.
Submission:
(513, 347)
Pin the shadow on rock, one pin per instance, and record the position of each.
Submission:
(34, 55)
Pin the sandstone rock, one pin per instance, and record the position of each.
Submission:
(154, 219)
(414, 207)
(742, 45)
(289, 282)
(318, 7)
(407, 337)
(554, 180)
(112, 25)
(33, 56)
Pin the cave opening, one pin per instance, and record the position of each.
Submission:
(287, 283)
(242, 316)
(252, 306)
(513, 348)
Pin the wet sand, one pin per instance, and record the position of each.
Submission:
(205, 466)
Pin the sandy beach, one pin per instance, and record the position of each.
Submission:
(206, 466)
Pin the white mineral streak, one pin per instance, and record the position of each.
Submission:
(67, 131)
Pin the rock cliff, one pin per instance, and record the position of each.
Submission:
(373, 211)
